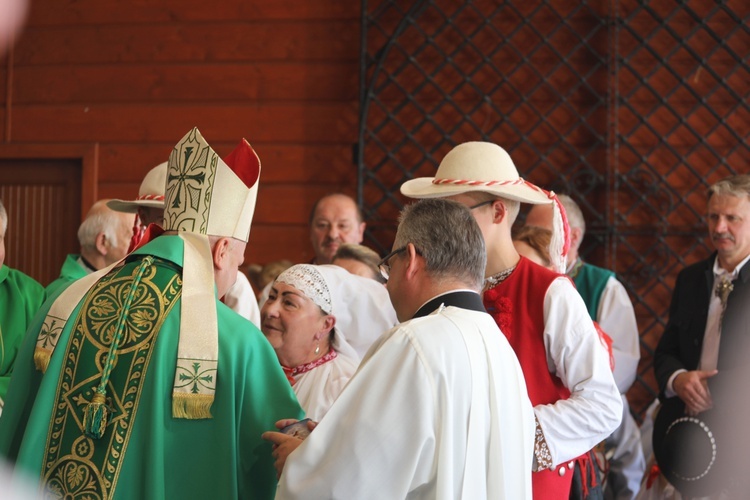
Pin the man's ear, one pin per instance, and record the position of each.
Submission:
(219, 252)
(414, 262)
(101, 244)
(498, 211)
(576, 237)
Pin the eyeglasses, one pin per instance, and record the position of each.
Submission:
(384, 266)
(488, 202)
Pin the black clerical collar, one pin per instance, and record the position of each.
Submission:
(87, 264)
(465, 299)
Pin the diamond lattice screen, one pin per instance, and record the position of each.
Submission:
(631, 107)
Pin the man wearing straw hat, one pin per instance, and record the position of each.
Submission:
(143, 384)
(567, 371)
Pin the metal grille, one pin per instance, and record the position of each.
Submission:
(631, 107)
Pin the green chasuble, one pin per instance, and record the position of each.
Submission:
(145, 453)
(20, 299)
(590, 282)
(71, 271)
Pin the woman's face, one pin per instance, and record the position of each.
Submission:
(294, 325)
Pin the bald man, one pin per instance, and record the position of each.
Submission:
(104, 236)
(335, 219)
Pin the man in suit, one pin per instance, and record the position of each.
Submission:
(705, 343)
(709, 301)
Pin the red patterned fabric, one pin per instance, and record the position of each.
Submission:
(522, 322)
(298, 370)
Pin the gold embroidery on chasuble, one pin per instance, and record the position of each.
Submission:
(77, 466)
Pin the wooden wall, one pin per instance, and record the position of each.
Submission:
(134, 77)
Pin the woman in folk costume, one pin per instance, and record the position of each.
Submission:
(143, 384)
(309, 313)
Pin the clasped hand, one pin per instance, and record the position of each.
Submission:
(692, 388)
(283, 444)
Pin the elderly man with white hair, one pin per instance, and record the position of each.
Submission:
(104, 236)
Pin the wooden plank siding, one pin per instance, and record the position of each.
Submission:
(134, 77)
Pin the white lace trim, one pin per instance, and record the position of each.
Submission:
(307, 279)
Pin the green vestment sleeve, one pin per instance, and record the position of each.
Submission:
(20, 299)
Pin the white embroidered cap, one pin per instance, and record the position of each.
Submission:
(361, 306)
(307, 279)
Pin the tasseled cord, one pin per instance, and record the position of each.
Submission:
(96, 413)
(559, 244)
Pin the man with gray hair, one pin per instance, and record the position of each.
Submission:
(608, 304)
(705, 342)
(438, 407)
(104, 236)
(20, 298)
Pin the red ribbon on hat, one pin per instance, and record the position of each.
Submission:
(155, 197)
(521, 181)
(464, 182)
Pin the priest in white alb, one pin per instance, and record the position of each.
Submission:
(438, 408)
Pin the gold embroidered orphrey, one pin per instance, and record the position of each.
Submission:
(190, 180)
(76, 466)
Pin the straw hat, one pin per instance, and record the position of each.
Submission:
(486, 167)
(476, 166)
(150, 194)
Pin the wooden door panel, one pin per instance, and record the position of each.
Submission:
(43, 201)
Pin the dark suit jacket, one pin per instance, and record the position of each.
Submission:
(681, 344)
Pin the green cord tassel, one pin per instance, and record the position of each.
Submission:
(95, 416)
(96, 412)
